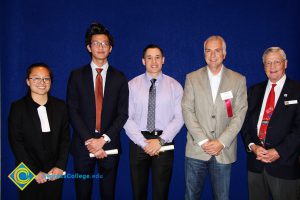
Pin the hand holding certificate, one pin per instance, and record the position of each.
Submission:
(108, 152)
(115, 151)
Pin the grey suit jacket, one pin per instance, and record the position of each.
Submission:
(207, 120)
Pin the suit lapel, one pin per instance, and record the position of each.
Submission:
(280, 102)
(88, 79)
(204, 82)
(108, 82)
(52, 122)
(259, 95)
(88, 76)
(223, 87)
(107, 90)
(50, 114)
(37, 129)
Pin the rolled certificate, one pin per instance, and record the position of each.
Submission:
(108, 152)
(167, 148)
(50, 175)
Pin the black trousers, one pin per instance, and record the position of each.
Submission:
(107, 173)
(140, 165)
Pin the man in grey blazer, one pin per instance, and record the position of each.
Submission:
(214, 105)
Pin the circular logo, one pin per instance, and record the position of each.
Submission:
(22, 176)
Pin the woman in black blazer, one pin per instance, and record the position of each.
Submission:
(39, 135)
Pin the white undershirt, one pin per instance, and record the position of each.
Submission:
(42, 112)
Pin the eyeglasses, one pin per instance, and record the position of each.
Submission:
(100, 44)
(39, 80)
(275, 62)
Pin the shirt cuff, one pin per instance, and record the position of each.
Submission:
(202, 142)
(142, 145)
(249, 146)
(106, 138)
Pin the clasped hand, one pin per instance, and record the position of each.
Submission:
(153, 147)
(52, 175)
(266, 156)
(212, 147)
(95, 146)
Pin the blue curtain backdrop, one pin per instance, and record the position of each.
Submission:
(53, 32)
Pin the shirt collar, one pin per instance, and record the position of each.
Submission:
(104, 67)
(35, 104)
(279, 83)
(158, 78)
(211, 75)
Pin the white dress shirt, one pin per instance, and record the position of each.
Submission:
(214, 81)
(103, 75)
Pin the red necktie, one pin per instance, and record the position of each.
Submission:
(267, 115)
(98, 98)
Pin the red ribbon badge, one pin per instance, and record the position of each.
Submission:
(229, 107)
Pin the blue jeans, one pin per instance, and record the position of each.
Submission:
(195, 173)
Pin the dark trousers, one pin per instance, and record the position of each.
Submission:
(140, 165)
(107, 173)
(262, 186)
(51, 190)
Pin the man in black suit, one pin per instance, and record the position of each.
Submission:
(97, 100)
(271, 132)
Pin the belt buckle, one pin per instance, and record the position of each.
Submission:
(155, 133)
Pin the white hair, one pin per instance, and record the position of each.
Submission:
(216, 37)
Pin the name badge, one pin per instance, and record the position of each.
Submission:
(226, 95)
(290, 102)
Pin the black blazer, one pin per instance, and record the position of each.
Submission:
(25, 134)
(81, 106)
(283, 132)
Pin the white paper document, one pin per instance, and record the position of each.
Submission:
(167, 148)
(108, 152)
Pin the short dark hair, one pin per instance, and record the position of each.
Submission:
(39, 64)
(152, 46)
(95, 29)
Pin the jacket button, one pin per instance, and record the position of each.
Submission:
(213, 116)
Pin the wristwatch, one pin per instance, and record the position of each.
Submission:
(161, 141)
